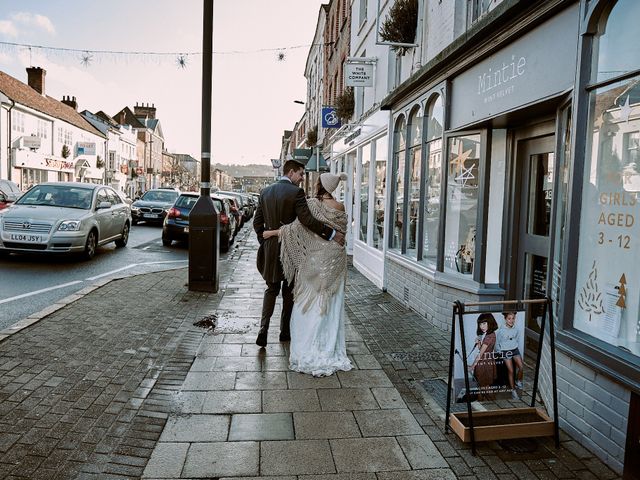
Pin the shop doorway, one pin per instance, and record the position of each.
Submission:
(534, 164)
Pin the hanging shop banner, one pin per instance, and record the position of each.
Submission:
(358, 74)
(494, 344)
(330, 118)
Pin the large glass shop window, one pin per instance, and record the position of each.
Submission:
(413, 187)
(608, 276)
(433, 181)
(399, 144)
(364, 191)
(462, 203)
(381, 147)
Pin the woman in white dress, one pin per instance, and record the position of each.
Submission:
(319, 268)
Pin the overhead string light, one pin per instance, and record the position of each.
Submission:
(88, 57)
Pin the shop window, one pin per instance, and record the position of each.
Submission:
(17, 121)
(413, 185)
(462, 203)
(607, 292)
(432, 181)
(380, 152)
(561, 202)
(363, 11)
(364, 191)
(42, 128)
(397, 205)
(32, 176)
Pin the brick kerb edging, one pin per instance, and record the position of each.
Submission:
(68, 300)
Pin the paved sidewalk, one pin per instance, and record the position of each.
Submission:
(120, 384)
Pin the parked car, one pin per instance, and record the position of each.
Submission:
(176, 223)
(10, 190)
(228, 218)
(153, 206)
(243, 205)
(65, 217)
(4, 201)
(235, 211)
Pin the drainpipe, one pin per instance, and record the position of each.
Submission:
(9, 141)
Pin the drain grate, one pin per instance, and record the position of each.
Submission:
(519, 445)
(392, 307)
(437, 389)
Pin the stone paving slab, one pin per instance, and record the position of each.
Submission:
(296, 457)
(196, 428)
(221, 459)
(261, 426)
(335, 399)
(290, 400)
(368, 455)
(232, 401)
(321, 425)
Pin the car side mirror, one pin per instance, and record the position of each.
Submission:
(103, 205)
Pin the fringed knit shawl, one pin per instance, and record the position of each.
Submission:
(318, 266)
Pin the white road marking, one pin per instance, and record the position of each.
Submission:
(132, 266)
(36, 292)
(112, 272)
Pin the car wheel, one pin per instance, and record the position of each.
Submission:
(224, 244)
(90, 245)
(122, 241)
(134, 222)
(166, 242)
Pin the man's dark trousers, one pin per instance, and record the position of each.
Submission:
(269, 303)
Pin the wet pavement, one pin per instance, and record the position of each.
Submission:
(117, 382)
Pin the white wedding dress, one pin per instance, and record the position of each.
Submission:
(318, 340)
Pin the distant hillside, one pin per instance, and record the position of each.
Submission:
(253, 170)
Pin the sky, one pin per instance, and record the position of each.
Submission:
(253, 87)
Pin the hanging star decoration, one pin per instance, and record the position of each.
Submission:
(599, 121)
(457, 164)
(182, 61)
(625, 111)
(85, 59)
(281, 56)
(465, 176)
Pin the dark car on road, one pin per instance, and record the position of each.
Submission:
(176, 223)
(153, 206)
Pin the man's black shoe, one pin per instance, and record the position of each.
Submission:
(285, 337)
(262, 339)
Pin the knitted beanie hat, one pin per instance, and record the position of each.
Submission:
(330, 181)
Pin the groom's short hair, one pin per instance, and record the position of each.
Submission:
(291, 165)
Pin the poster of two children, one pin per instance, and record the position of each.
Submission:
(494, 355)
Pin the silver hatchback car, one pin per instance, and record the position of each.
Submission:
(65, 217)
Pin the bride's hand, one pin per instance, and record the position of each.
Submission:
(270, 233)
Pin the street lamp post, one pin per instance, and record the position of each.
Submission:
(204, 228)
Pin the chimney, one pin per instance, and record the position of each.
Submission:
(36, 78)
(71, 101)
(144, 110)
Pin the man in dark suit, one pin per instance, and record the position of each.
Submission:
(280, 204)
